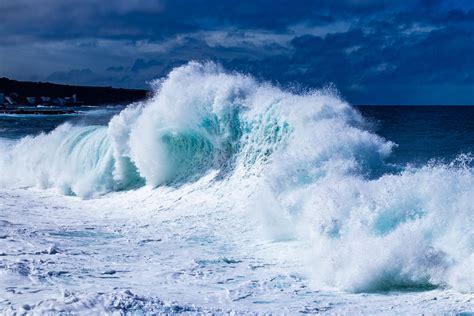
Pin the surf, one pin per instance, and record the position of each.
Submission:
(316, 173)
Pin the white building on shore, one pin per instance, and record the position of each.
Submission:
(31, 100)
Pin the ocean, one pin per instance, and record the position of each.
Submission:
(223, 194)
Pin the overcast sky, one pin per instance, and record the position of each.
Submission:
(374, 52)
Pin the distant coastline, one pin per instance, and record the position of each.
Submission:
(14, 94)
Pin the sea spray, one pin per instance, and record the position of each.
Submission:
(316, 175)
(72, 159)
(183, 132)
(200, 118)
(407, 231)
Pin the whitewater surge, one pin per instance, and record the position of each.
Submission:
(200, 118)
(317, 176)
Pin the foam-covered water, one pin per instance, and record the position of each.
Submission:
(301, 173)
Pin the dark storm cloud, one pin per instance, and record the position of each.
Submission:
(373, 51)
(156, 19)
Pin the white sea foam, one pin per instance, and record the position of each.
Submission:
(315, 173)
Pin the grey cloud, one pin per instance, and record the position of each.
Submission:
(368, 48)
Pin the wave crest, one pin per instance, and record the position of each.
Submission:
(316, 173)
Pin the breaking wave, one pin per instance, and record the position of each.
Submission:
(318, 175)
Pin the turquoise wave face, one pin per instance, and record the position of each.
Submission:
(187, 154)
(91, 160)
(75, 160)
(86, 155)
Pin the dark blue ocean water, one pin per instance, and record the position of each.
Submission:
(422, 133)
(18, 126)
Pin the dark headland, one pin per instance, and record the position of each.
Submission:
(26, 97)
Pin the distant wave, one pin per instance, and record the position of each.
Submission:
(319, 175)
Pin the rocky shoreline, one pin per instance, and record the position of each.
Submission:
(16, 94)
